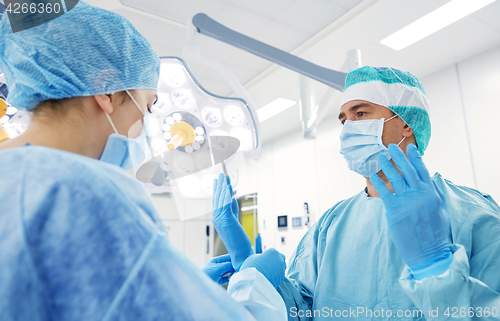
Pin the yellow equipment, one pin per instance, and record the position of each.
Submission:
(3, 110)
(182, 134)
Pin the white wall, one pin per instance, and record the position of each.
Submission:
(189, 236)
(465, 118)
(465, 115)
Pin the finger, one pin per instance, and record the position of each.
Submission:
(228, 274)
(214, 196)
(397, 181)
(220, 194)
(284, 259)
(441, 195)
(382, 189)
(235, 208)
(225, 268)
(225, 280)
(225, 198)
(416, 160)
(229, 185)
(403, 164)
(221, 259)
(225, 271)
(219, 191)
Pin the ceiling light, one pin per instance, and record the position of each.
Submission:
(432, 22)
(273, 108)
(234, 115)
(212, 116)
(248, 208)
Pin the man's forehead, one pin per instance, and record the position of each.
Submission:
(353, 104)
(357, 104)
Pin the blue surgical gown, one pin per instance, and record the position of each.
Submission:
(347, 265)
(80, 240)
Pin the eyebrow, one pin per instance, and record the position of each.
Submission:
(354, 108)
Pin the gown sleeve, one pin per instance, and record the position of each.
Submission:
(470, 288)
(297, 290)
(97, 257)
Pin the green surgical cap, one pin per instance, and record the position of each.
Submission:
(397, 90)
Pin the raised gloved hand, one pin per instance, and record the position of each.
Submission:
(416, 215)
(271, 264)
(225, 219)
(219, 269)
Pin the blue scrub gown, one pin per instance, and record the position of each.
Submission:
(81, 240)
(347, 266)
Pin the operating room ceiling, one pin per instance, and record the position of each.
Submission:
(321, 31)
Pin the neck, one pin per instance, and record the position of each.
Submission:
(371, 191)
(72, 133)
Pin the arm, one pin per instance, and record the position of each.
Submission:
(455, 294)
(225, 219)
(297, 290)
(219, 269)
(98, 258)
(472, 284)
(439, 283)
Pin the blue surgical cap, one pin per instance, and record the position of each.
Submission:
(87, 51)
(397, 90)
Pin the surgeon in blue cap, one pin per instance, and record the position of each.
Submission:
(409, 246)
(79, 239)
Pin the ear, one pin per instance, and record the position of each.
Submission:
(407, 131)
(105, 102)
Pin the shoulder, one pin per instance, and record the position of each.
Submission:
(334, 211)
(474, 216)
(466, 196)
(56, 166)
(47, 166)
(46, 181)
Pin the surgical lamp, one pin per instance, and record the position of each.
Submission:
(191, 134)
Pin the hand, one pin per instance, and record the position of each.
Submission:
(219, 269)
(225, 219)
(234, 203)
(271, 264)
(415, 213)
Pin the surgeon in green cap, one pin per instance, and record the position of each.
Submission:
(409, 246)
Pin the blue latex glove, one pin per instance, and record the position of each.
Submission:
(271, 264)
(415, 213)
(219, 269)
(225, 219)
(235, 208)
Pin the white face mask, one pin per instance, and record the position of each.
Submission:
(124, 151)
(361, 143)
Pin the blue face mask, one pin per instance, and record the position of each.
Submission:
(361, 143)
(123, 151)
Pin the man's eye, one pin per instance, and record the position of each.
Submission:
(361, 113)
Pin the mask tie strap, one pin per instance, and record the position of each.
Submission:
(111, 122)
(131, 97)
(145, 128)
(391, 118)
